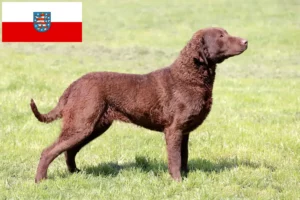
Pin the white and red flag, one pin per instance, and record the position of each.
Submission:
(41, 22)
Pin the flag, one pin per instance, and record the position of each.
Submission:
(41, 22)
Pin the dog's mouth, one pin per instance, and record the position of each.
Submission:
(219, 60)
(238, 52)
(244, 48)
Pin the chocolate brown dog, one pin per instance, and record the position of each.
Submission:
(174, 100)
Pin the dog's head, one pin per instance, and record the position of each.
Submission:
(214, 45)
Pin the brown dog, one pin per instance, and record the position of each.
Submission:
(174, 100)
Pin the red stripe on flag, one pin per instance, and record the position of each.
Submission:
(58, 32)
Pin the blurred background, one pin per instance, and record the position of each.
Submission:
(249, 146)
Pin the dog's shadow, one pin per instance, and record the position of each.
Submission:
(156, 167)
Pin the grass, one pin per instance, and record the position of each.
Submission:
(248, 148)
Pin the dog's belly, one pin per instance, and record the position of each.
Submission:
(152, 121)
(146, 123)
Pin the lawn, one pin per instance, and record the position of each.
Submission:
(248, 148)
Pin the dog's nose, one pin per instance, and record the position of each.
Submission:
(244, 42)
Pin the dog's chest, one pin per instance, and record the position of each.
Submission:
(204, 105)
(199, 112)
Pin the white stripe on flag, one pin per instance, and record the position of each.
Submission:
(23, 11)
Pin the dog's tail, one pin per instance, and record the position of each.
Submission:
(54, 114)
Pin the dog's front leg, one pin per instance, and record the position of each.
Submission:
(174, 141)
(184, 153)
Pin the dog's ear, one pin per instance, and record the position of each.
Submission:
(197, 45)
(201, 50)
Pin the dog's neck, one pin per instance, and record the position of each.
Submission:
(186, 68)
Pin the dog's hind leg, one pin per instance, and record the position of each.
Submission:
(78, 125)
(70, 154)
(60, 145)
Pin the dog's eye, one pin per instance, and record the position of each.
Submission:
(221, 35)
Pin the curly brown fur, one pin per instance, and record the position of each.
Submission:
(174, 100)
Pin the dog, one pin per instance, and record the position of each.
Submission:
(174, 100)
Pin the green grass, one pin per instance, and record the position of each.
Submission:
(248, 148)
